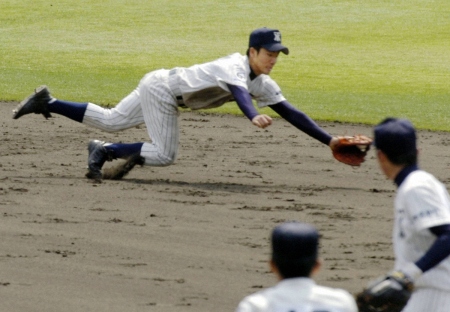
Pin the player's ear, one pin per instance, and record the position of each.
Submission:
(272, 266)
(252, 52)
(274, 269)
(380, 155)
(316, 267)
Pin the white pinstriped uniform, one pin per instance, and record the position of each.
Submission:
(422, 202)
(155, 101)
(298, 295)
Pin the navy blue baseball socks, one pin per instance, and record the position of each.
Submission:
(96, 159)
(36, 103)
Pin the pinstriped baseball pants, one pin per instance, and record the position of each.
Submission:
(427, 299)
(152, 103)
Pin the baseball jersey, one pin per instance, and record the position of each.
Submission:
(298, 295)
(421, 202)
(204, 85)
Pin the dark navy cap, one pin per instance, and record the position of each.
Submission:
(269, 39)
(395, 137)
(295, 241)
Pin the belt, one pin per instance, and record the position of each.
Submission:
(180, 102)
(175, 87)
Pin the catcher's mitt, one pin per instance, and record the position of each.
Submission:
(352, 150)
(387, 294)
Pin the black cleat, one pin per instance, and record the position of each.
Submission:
(36, 103)
(96, 159)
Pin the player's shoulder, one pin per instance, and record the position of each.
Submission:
(265, 79)
(258, 301)
(420, 178)
(232, 58)
(422, 174)
(230, 63)
(264, 83)
(334, 299)
(334, 296)
(330, 291)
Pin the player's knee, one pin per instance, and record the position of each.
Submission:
(167, 160)
(161, 160)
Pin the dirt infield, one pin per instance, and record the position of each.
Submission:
(192, 236)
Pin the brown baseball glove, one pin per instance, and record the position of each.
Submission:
(387, 294)
(352, 150)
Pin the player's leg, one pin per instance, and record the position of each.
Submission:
(100, 152)
(159, 110)
(160, 113)
(161, 119)
(124, 115)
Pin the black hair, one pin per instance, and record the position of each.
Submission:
(292, 269)
(256, 48)
(408, 159)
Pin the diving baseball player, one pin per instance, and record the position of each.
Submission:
(421, 234)
(294, 260)
(160, 94)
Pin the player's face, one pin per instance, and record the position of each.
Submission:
(263, 61)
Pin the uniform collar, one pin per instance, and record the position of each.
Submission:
(252, 74)
(296, 280)
(401, 176)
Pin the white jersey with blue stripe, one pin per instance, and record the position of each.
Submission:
(422, 202)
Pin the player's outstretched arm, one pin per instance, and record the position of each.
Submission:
(348, 150)
(302, 122)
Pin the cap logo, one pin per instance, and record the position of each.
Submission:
(277, 36)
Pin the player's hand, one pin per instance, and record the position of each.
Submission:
(334, 142)
(262, 121)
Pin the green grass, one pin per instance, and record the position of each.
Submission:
(350, 61)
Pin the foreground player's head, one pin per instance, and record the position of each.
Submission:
(294, 249)
(396, 138)
(263, 49)
(269, 39)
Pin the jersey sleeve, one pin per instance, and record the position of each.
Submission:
(244, 306)
(265, 91)
(428, 205)
(230, 70)
(256, 302)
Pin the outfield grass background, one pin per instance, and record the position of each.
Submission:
(350, 61)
